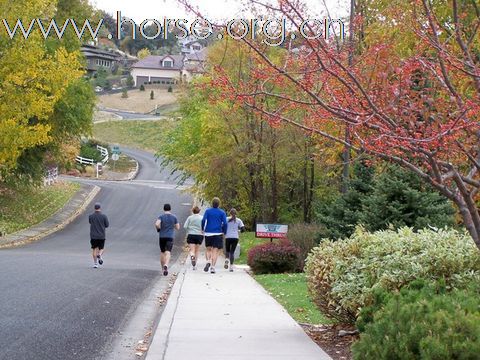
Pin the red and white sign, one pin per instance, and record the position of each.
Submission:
(272, 231)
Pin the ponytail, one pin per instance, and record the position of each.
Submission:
(233, 215)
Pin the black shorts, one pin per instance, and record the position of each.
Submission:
(215, 241)
(166, 244)
(97, 243)
(194, 239)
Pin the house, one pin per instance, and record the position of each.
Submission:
(164, 69)
(194, 64)
(167, 69)
(98, 58)
(190, 45)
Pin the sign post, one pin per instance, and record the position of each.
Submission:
(272, 231)
(99, 168)
(115, 154)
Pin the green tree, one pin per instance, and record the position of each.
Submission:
(340, 216)
(393, 198)
(400, 199)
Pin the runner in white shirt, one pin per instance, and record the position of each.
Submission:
(234, 226)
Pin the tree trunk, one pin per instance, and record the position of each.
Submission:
(273, 179)
(347, 149)
(468, 220)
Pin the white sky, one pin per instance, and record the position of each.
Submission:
(140, 10)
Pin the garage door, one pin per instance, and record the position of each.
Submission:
(141, 80)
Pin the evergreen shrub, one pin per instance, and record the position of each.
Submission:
(425, 323)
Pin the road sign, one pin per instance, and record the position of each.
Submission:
(116, 149)
(115, 156)
(272, 231)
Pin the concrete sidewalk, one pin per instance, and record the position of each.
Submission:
(227, 316)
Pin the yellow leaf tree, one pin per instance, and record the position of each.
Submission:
(33, 78)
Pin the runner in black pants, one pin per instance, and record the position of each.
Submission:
(193, 226)
(234, 225)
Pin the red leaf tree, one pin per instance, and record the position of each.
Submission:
(420, 110)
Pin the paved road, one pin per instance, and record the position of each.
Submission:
(130, 115)
(54, 305)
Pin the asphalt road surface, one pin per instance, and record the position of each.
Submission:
(55, 305)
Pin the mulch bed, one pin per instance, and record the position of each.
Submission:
(326, 336)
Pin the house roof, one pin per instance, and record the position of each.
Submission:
(197, 56)
(90, 51)
(155, 62)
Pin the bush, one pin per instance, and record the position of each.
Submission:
(130, 81)
(170, 89)
(344, 275)
(422, 324)
(274, 258)
(89, 152)
(124, 94)
(305, 237)
(152, 95)
(142, 87)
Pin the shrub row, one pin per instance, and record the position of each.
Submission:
(344, 275)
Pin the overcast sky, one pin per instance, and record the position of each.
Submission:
(139, 10)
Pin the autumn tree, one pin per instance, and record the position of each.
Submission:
(40, 83)
(143, 53)
(268, 173)
(418, 108)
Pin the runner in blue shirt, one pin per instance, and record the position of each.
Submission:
(214, 226)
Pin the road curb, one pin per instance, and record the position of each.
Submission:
(161, 334)
(68, 213)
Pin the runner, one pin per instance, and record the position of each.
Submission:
(193, 226)
(166, 225)
(98, 224)
(234, 224)
(214, 225)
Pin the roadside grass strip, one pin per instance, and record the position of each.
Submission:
(23, 208)
(291, 291)
(141, 134)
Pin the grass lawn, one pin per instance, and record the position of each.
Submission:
(23, 208)
(247, 241)
(291, 291)
(139, 101)
(124, 164)
(145, 135)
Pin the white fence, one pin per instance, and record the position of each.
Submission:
(51, 176)
(85, 161)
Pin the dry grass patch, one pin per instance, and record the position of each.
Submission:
(138, 101)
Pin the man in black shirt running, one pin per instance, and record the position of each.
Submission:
(98, 223)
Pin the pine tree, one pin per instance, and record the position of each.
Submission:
(403, 199)
(393, 198)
